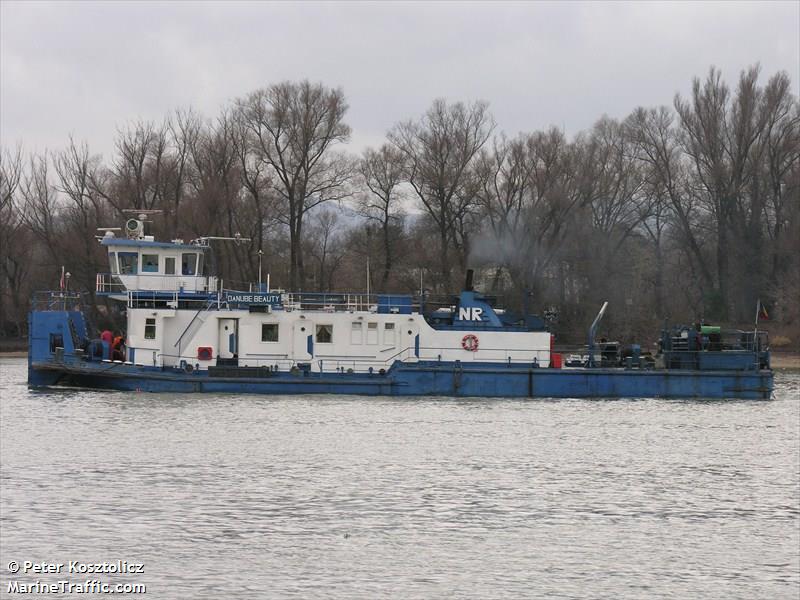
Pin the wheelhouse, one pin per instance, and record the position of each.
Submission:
(147, 265)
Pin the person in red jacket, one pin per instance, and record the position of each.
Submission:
(118, 346)
(108, 338)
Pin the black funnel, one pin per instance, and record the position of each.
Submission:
(468, 284)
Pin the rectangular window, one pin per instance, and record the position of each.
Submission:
(388, 334)
(356, 333)
(128, 261)
(200, 264)
(149, 263)
(150, 329)
(324, 334)
(269, 332)
(372, 333)
(112, 262)
(188, 263)
(169, 265)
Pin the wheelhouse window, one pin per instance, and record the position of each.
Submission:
(372, 333)
(356, 333)
(112, 262)
(188, 263)
(128, 261)
(169, 265)
(269, 332)
(149, 263)
(150, 329)
(324, 334)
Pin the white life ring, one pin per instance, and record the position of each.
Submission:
(470, 342)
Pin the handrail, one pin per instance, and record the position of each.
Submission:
(111, 282)
(57, 300)
(206, 308)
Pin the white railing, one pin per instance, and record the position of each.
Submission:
(114, 283)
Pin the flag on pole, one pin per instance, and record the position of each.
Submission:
(761, 312)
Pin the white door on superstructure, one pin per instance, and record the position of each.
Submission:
(303, 332)
(227, 345)
(408, 336)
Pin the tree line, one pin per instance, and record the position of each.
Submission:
(675, 212)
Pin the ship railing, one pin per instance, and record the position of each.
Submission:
(282, 362)
(498, 356)
(60, 300)
(113, 283)
(726, 340)
(263, 288)
(160, 299)
(360, 364)
(108, 283)
(495, 355)
(349, 302)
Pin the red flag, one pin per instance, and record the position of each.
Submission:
(762, 313)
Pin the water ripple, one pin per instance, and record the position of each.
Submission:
(326, 497)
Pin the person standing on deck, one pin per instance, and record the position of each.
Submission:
(108, 338)
(117, 348)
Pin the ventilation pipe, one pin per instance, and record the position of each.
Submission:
(592, 331)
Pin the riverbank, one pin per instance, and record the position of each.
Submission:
(785, 360)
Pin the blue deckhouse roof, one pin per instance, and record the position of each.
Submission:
(115, 241)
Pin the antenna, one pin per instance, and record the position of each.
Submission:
(203, 241)
(108, 232)
(142, 213)
(368, 279)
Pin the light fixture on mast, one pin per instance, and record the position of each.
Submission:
(134, 227)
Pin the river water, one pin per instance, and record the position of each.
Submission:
(351, 497)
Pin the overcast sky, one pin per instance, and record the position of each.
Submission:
(86, 68)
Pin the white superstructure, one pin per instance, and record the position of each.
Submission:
(179, 315)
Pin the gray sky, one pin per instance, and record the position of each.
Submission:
(85, 68)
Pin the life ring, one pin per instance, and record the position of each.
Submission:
(470, 342)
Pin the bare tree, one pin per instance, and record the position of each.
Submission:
(382, 174)
(658, 149)
(718, 135)
(15, 253)
(440, 149)
(257, 184)
(324, 246)
(184, 130)
(41, 208)
(780, 171)
(137, 172)
(293, 128)
(82, 210)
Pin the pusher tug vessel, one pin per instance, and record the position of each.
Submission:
(186, 333)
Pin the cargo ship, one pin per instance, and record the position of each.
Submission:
(185, 332)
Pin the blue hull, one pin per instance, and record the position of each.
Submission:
(420, 379)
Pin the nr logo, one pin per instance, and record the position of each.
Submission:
(470, 313)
